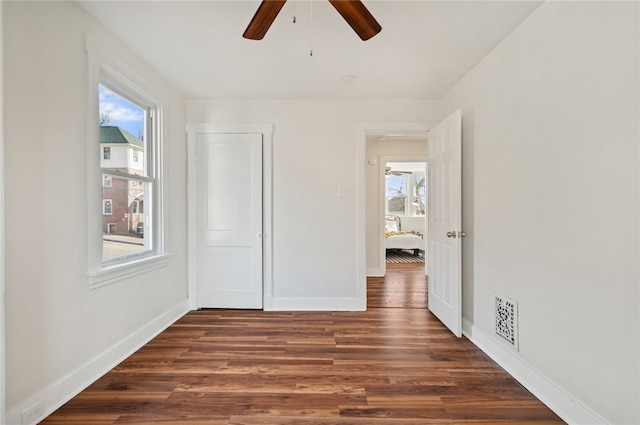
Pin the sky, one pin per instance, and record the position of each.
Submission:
(121, 112)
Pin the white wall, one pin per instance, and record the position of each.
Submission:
(314, 152)
(2, 362)
(377, 149)
(59, 333)
(551, 205)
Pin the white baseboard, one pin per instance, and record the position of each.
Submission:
(63, 390)
(374, 272)
(557, 399)
(317, 304)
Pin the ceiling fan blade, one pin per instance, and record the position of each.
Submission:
(262, 20)
(358, 17)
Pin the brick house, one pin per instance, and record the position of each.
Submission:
(122, 198)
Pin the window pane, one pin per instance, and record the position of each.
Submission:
(396, 194)
(124, 228)
(122, 128)
(420, 200)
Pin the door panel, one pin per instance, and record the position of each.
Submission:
(229, 216)
(444, 261)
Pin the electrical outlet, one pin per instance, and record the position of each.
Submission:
(33, 414)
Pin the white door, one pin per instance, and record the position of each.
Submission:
(444, 251)
(229, 220)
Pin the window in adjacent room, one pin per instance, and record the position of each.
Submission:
(405, 189)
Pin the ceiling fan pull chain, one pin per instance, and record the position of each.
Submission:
(294, 11)
(310, 27)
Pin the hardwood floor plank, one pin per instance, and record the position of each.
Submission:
(392, 364)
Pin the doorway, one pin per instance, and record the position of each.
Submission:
(444, 204)
(380, 150)
(403, 200)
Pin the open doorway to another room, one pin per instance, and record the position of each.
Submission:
(396, 190)
(405, 200)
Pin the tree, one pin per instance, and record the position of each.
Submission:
(104, 119)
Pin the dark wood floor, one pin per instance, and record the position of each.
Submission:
(403, 286)
(385, 366)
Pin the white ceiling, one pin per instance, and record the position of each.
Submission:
(424, 48)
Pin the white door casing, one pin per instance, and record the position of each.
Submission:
(444, 251)
(229, 233)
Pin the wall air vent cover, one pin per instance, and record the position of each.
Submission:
(506, 314)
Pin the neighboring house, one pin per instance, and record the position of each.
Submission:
(122, 199)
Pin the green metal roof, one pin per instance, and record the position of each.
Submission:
(113, 134)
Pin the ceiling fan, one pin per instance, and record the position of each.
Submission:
(353, 11)
(389, 172)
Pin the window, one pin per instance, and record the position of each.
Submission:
(405, 191)
(420, 194)
(107, 207)
(129, 183)
(125, 123)
(396, 194)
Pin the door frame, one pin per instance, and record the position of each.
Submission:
(363, 130)
(266, 130)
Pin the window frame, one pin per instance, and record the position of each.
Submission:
(411, 180)
(107, 69)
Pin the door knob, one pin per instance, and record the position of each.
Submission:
(452, 235)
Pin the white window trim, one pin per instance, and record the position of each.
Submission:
(102, 64)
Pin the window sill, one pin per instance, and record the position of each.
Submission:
(112, 274)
